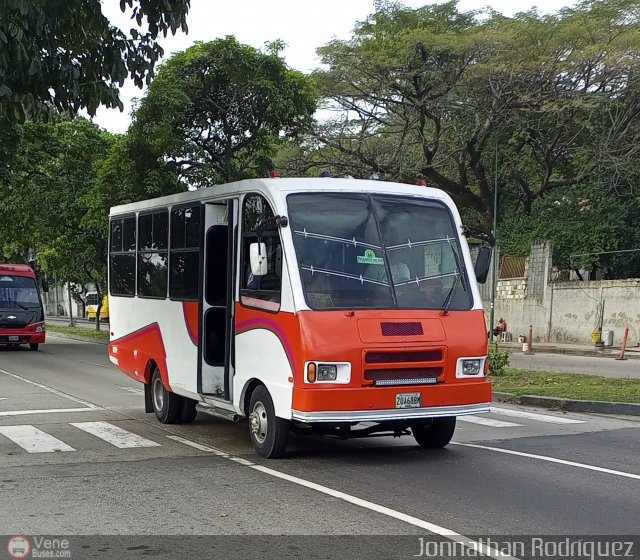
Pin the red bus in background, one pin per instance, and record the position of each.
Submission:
(21, 311)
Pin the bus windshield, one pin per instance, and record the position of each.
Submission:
(18, 292)
(377, 251)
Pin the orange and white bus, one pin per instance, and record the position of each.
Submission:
(332, 306)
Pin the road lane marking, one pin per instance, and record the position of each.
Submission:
(114, 435)
(50, 389)
(199, 446)
(535, 416)
(34, 440)
(487, 422)
(3, 398)
(476, 546)
(550, 460)
(132, 390)
(45, 411)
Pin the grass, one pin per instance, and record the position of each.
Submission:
(103, 334)
(567, 385)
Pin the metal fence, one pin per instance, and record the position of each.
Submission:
(512, 267)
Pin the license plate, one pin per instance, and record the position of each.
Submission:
(408, 400)
(14, 338)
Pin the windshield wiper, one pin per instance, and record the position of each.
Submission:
(447, 302)
(459, 272)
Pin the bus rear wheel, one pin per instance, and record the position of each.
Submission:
(435, 433)
(167, 406)
(269, 434)
(189, 412)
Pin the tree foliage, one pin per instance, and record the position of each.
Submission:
(69, 56)
(45, 204)
(215, 111)
(434, 93)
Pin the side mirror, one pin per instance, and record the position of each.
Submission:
(45, 286)
(258, 259)
(483, 263)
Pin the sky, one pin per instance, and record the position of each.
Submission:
(302, 25)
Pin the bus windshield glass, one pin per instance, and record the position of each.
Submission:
(362, 251)
(18, 292)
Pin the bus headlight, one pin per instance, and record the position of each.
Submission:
(470, 367)
(40, 328)
(327, 372)
(337, 372)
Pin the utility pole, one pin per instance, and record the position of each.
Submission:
(71, 323)
(494, 279)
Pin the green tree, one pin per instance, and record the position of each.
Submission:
(432, 92)
(68, 55)
(216, 112)
(581, 221)
(46, 203)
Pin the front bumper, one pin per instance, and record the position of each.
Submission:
(392, 414)
(20, 337)
(377, 404)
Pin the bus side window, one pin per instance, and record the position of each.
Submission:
(260, 291)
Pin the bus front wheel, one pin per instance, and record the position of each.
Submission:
(269, 434)
(435, 433)
(34, 346)
(167, 406)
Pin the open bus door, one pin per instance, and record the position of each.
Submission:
(216, 304)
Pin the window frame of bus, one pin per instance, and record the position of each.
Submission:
(244, 261)
(197, 249)
(140, 252)
(133, 253)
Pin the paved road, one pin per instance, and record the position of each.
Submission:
(606, 366)
(78, 456)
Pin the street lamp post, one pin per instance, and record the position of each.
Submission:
(494, 279)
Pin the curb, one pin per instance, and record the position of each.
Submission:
(77, 337)
(570, 405)
(630, 354)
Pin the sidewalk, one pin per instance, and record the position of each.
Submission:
(572, 349)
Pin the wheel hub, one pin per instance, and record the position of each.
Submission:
(158, 394)
(258, 422)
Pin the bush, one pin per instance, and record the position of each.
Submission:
(498, 361)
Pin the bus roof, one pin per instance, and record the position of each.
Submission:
(283, 185)
(17, 270)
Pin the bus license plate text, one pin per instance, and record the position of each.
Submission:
(408, 400)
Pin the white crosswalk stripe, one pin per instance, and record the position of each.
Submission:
(114, 435)
(34, 440)
(487, 422)
(534, 416)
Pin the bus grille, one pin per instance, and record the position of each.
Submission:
(392, 377)
(401, 329)
(403, 357)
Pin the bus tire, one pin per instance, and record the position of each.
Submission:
(436, 433)
(269, 434)
(34, 346)
(189, 412)
(167, 406)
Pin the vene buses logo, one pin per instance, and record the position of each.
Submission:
(18, 547)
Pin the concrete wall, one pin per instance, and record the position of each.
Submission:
(564, 311)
